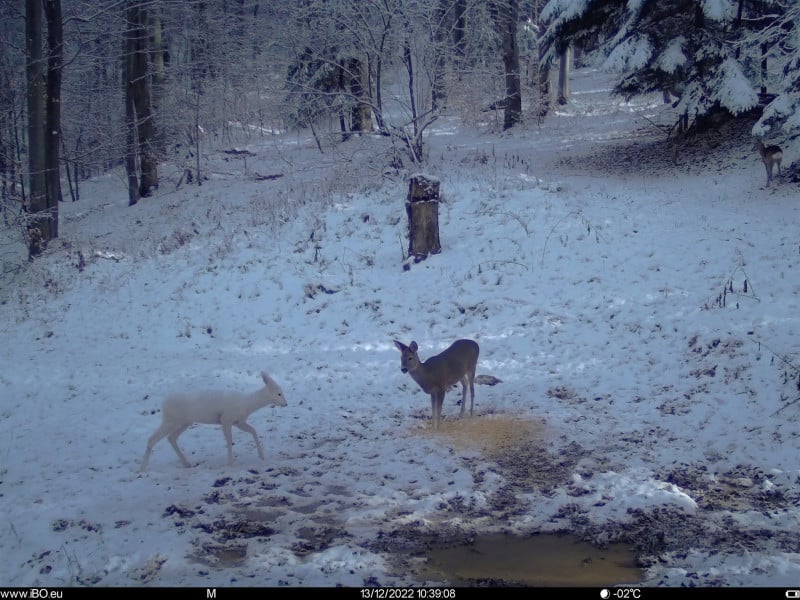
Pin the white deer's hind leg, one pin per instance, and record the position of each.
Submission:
(226, 429)
(249, 429)
(173, 439)
(143, 466)
(160, 434)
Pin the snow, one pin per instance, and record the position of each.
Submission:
(733, 89)
(641, 315)
(673, 57)
(629, 55)
(719, 10)
(565, 10)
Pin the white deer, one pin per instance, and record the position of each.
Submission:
(226, 408)
(435, 375)
(770, 155)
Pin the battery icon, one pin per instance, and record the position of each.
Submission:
(793, 594)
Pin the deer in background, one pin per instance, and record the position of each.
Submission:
(770, 155)
(435, 375)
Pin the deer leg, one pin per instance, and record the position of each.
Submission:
(154, 439)
(160, 434)
(437, 400)
(464, 394)
(472, 394)
(226, 430)
(249, 429)
(173, 439)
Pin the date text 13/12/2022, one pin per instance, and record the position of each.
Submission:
(589, 593)
(434, 593)
(407, 593)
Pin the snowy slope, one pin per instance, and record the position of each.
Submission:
(641, 314)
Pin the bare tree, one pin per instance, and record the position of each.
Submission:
(506, 17)
(55, 52)
(44, 99)
(158, 88)
(139, 118)
(564, 64)
(334, 49)
(449, 36)
(12, 104)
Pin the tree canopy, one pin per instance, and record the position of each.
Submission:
(709, 54)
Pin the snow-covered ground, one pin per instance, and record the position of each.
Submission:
(639, 305)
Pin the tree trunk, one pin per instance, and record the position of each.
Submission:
(379, 59)
(137, 99)
(563, 75)
(506, 16)
(378, 93)
(130, 148)
(159, 74)
(460, 31)
(440, 49)
(449, 46)
(145, 127)
(52, 9)
(361, 113)
(131, 166)
(39, 228)
(414, 143)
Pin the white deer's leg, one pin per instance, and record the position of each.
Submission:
(226, 429)
(143, 466)
(160, 434)
(173, 439)
(151, 442)
(249, 429)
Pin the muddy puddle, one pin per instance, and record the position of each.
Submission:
(536, 561)
(515, 447)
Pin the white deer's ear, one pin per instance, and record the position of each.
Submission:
(266, 377)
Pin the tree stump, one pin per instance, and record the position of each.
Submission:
(422, 208)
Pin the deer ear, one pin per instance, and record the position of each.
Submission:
(413, 347)
(399, 345)
(265, 376)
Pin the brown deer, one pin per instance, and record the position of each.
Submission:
(435, 375)
(770, 155)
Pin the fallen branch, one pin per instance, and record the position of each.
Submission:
(258, 177)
